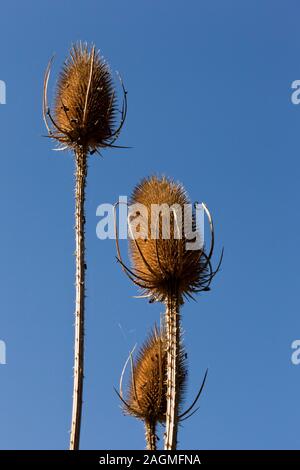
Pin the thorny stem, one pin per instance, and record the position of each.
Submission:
(150, 435)
(173, 353)
(81, 173)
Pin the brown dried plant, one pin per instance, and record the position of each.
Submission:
(84, 121)
(146, 395)
(85, 108)
(167, 271)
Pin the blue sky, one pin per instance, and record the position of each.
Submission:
(209, 95)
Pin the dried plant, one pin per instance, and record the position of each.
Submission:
(146, 396)
(85, 107)
(167, 271)
(84, 121)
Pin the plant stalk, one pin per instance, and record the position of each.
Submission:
(150, 435)
(80, 175)
(173, 350)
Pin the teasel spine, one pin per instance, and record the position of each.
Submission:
(81, 174)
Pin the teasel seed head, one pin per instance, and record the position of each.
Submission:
(164, 266)
(146, 397)
(85, 108)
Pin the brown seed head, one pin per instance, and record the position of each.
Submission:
(85, 102)
(165, 266)
(147, 388)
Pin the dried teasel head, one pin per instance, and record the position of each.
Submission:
(164, 264)
(85, 108)
(146, 396)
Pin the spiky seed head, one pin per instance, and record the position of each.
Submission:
(165, 265)
(85, 102)
(146, 398)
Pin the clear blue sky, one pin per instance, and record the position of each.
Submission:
(209, 104)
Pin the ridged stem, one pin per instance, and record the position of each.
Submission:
(150, 435)
(81, 173)
(172, 323)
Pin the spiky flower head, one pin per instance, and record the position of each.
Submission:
(146, 398)
(164, 264)
(85, 105)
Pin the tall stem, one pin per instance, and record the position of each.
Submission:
(150, 434)
(81, 172)
(173, 344)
